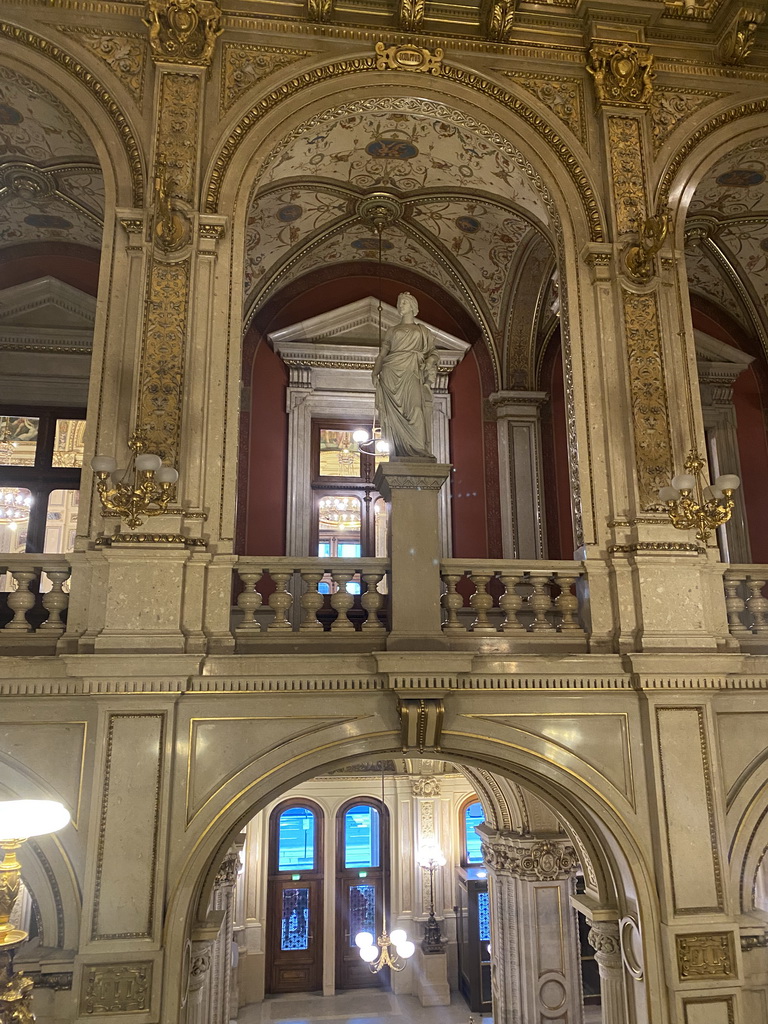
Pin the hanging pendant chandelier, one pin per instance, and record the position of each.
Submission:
(15, 504)
(391, 951)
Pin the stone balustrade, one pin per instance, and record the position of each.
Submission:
(34, 596)
(311, 596)
(535, 600)
(747, 605)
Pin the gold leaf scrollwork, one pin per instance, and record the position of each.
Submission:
(411, 15)
(183, 31)
(171, 227)
(122, 52)
(705, 956)
(639, 257)
(319, 10)
(736, 43)
(627, 173)
(116, 988)
(623, 75)
(648, 394)
(501, 14)
(408, 58)
(243, 66)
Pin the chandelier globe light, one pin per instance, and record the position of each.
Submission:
(694, 503)
(141, 490)
(389, 950)
(15, 504)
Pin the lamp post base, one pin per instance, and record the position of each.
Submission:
(432, 942)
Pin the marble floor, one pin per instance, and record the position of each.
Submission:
(363, 1007)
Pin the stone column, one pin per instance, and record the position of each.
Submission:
(520, 488)
(641, 373)
(604, 939)
(536, 965)
(412, 486)
(221, 962)
(199, 977)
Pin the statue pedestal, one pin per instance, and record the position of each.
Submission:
(432, 988)
(412, 487)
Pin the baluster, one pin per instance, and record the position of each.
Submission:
(540, 602)
(735, 604)
(21, 600)
(757, 605)
(311, 602)
(372, 600)
(510, 603)
(567, 604)
(481, 602)
(56, 600)
(342, 601)
(452, 601)
(248, 601)
(280, 601)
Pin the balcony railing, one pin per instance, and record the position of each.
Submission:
(747, 606)
(34, 596)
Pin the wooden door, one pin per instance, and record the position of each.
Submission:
(295, 935)
(358, 909)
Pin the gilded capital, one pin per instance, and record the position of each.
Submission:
(623, 75)
(183, 31)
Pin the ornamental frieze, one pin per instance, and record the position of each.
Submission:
(183, 31)
(124, 53)
(533, 861)
(243, 66)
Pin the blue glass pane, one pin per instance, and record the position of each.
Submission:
(294, 931)
(324, 549)
(473, 816)
(296, 840)
(348, 550)
(362, 910)
(353, 587)
(361, 837)
(483, 917)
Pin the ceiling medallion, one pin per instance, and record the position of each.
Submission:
(380, 210)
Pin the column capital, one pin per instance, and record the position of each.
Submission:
(510, 404)
(199, 965)
(529, 858)
(400, 474)
(604, 939)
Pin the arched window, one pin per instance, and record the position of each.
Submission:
(470, 816)
(362, 876)
(294, 899)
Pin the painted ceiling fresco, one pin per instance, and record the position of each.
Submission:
(405, 146)
(51, 186)
(729, 215)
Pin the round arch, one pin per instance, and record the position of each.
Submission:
(605, 836)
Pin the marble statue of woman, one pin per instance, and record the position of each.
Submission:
(403, 374)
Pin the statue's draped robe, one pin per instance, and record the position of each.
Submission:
(403, 393)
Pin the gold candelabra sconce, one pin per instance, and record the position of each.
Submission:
(639, 257)
(391, 951)
(141, 490)
(693, 503)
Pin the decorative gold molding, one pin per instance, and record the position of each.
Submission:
(670, 107)
(623, 74)
(408, 58)
(244, 66)
(705, 956)
(319, 11)
(648, 394)
(627, 173)
(661, 545)
(124, 53)
(736, 42)
(183, 31)
(421, 722)
(150, 538)
(410, 15)
(563, 96)
(500, 20)
(89, 80)
(116, 988)
(458, 75)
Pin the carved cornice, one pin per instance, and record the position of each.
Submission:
(532, 860)
(735, 44)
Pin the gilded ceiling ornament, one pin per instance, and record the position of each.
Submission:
(670, 107)
(564, 97)
(243, 66)
(123, 53)
(171, 227)
(648, 395)
(623, 75)
(500, 20)
(408, 58)
(735, 44)
(183, 31)
(627, 173)
(319, 10)
(411, 15)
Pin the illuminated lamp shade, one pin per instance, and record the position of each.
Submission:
(148, 463)
(360, 436)
(398, 937)
(363, 940)
(728, 482)
(405, 949)
(369, 954)
(669, 494)
(20, 819)
(167, 475)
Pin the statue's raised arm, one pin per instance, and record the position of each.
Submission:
(404, 373)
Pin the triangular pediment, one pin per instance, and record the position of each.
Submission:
(712, 350)
(46, 304)
(356, 324)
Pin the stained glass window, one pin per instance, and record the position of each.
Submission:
(294, 933)
(473, 816)
(296, 840)
(361, 837)
(362, 910)
(483, 917)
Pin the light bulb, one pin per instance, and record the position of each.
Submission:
(363, 939)
(669, 494)
(360, 436)
(369, 954)
(405, 949)
(398, 936)
(103, 464)
(728, 482)
(20, 819)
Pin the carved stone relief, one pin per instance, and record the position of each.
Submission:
(124, 53)
(183, 31)
(116, 988)
(243, 66)
(531, 860)
(623, 75)
(670, 107)
(706, 956)
(628, 176)
(564, 97)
